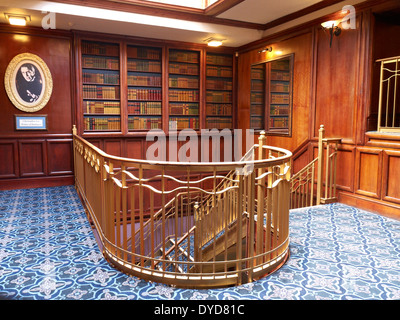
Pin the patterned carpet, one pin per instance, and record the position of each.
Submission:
(48, 251)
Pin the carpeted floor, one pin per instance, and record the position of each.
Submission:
(48, 251)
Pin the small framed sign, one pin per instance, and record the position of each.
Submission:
(25, 122)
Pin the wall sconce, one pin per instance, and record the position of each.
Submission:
(333, 27)
(213, 42)
(266, 49)
(17, 19)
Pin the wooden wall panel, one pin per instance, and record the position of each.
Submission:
(134, 148)
(60, 157)
(8, 159)
(336, 83)
(368, 172)
(113, 147)
(301, 46)
(345, 168)
(390, 176)
(32, 158)
(29, 154)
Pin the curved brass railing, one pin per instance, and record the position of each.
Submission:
(191, 224)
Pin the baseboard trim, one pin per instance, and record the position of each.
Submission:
(38, 182)
(383, 208)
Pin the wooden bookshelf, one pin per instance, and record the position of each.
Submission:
(101, 105)
(219, 90)
(183, 89)
(257, 97)
(279, 110)
(144, 92)
(271, 95)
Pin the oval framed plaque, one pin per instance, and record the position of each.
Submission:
(28, 82)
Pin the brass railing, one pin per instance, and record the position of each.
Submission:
(389, 95)
(316, 183)
(189, 224)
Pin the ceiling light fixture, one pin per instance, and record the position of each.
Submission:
(333, 28)
(213, 42)
(17, 19)
(266, 49)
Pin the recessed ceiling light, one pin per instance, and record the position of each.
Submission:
(17, 19)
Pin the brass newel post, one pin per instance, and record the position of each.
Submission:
(320, 163)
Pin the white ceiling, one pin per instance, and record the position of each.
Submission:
(99, 20)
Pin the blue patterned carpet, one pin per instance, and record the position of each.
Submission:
(48, 251)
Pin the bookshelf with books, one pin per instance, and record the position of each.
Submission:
(144, 92)
(219, 95)
(257, 97)
(101, 105)
(271, 95)
(279, 109)
(183, 89)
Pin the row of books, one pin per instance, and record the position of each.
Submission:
(102, 123)
(257, 73)
(256, 97)
(218, 123)
(151, 81)
(102, 78)
(183, 95)
(144, 108)
(219, 109)
(213, 96)
(219, 59)
(190, 69)
(257, 85)
(181, 82)
(281, 122)
(184, 56)
(100, 63)
(218, 84)
(280, 86)
(144, 123)
(96, 48)
(101, 107)
(257, 110)
(279, 98)
(278, 75)
(214, 71)
(184, 109)
(144, 94)
(279, 110)
(99, 92)
(144, 53)
(144, 66)
(179, 123)
(283, 64)
(256, 123)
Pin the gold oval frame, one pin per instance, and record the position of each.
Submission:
(10, 82)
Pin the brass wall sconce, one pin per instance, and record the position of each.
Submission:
(266, 49)
(334, 30)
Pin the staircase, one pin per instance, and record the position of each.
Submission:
(216, 224)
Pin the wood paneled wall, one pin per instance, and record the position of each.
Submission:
(333, 86)
(37, 158)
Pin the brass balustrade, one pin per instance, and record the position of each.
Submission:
(189, 224)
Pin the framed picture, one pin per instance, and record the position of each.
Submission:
(28, 82)
(27, 122)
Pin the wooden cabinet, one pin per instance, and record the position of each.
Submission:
(101, 103)
(128, 87)
(144, 81)
(271, 96)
